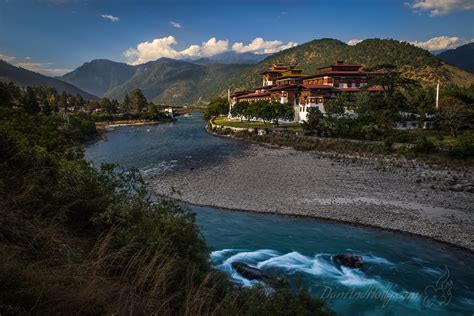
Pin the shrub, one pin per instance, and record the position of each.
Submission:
(424, 146)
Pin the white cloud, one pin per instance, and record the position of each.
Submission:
(354, 41)
(28, 58)
(43, 68)
(260, 46)
(162, 47)
(440, 42)
(7, 58)
(440, 7)
(110, 17)
(176, 24)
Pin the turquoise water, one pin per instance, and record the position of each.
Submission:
(402, 275)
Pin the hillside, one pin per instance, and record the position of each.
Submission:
(414, 62)
(25, 77)
(178, 82)
(238, 58)
(99, 76)
(461, 57)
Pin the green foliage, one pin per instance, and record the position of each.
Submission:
(424, 145)
(241, 109)
(464, 146)
(339, 105)
(218, 106)
(138, 102)
(314, 123)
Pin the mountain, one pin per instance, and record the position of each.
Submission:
(26, 77)
(99, 76)
(178, 82)
(461, 57)
(412, 61)
(232, 57)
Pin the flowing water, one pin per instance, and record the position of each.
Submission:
(402, 275)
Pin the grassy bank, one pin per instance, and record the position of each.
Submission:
(445, 152)
(76, 240)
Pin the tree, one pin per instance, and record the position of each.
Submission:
(216, 107)
(337, 106)
(107, 106)
(137, 101)
(29, 102)
(455, 115)
(314, 122)
(281, 111)
(240, 109)
(126, 102)
(390, 80)
(385, 107)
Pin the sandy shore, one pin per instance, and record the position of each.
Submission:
(388, 193)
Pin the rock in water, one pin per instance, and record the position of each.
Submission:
(349, 260)
(249, 272)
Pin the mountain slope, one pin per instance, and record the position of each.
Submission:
(178, 82)
(26, 77)
(461, 57)
(414, 62)
(238, 58)
(99, 76)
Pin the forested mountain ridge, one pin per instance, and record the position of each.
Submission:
(99, 75)
(178, 82)
(24, 77)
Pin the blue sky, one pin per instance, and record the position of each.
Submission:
(53, 36)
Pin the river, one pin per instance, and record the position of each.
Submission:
(402, 275)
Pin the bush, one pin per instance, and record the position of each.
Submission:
(424, 146)
(464, 146)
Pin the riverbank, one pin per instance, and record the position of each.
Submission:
(110, 125)
(386, 192)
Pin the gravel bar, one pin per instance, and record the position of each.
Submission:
(386, 192)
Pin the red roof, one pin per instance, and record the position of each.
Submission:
(375, 89)
(316, 86)
(253, 95)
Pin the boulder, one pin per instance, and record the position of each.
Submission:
(349, 260)
(249, 272)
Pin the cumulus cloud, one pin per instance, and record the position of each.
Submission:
(44, 68)
(260, 46)
(440, 43)
(162, 47)
(440, 7)
(7, 58)
(110, 17)
(175, 24)
(354, 41)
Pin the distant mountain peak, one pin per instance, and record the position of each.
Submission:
(461, 57)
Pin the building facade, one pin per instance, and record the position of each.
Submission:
(290, 85)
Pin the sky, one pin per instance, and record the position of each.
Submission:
(56, 36)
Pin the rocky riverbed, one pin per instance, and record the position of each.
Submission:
(386, 192)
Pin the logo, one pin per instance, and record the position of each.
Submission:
(439, 293)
